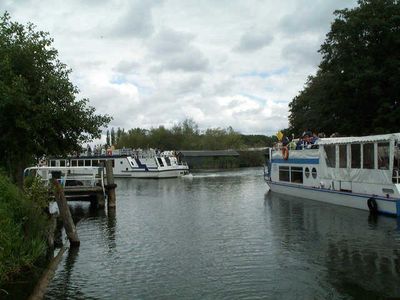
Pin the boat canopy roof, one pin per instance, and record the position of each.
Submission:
(360, 139)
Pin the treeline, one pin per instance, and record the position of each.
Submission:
(356, 89)
(186, 136)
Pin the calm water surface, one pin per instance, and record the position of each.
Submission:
(222, 236)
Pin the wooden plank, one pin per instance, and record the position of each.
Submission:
(88, 189)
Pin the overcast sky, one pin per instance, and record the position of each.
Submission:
(221, 63)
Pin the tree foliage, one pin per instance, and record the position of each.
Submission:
(355, 90)
(108, 140)
(187, 136)
(39, 112)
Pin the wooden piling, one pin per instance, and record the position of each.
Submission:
(110, 185)
(66, 215)
(100, 195)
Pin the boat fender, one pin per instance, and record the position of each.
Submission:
(372, 205)
(285, 153)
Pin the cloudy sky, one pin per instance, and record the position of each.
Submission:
(221, 63)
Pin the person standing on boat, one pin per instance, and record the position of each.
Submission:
(300, 144)
(292, 145)
(305, 140)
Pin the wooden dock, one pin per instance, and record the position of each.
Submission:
(77, 184)
(81, 183)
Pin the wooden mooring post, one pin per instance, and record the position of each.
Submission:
(111, 201)
(65, 214)
(100, 195)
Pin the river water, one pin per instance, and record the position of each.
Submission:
(220, 235)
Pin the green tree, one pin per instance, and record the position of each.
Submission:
(118, 136)
(355, 90)
(112, 136)
(108, 140)
(190, 134)
(39, 112)
(162, 138)
(134, 138)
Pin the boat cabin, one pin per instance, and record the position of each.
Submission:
(365, 165)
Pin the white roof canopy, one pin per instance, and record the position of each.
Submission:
(360, 139)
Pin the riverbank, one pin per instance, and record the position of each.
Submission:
(23, 224)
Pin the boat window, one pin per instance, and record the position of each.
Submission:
(356, 156)
(396, 164)
(296, 174)
(131, 162)
(330, 151)
(314, 173)
(95, 162)
(383, 156)
(167, 161)
(74, 163)
(62, 163)
(52, 163)
(342, 156)
(87, 163)
(113, 163)
(284, 173)
(368, 156)
(80, 163)
(160, 162)
(307, 172)
(102, 163)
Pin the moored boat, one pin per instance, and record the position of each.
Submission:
(357, 172)
(135, 164)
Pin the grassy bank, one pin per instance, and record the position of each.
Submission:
(23, 224)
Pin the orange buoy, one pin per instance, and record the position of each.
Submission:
(285, 153)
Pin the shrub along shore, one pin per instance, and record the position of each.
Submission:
(23, 226)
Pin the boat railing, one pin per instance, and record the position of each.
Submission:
(280, 146)
(69, 176)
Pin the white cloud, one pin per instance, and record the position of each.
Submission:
(135, 19)
(222, 63)
(253, 40)
(175, 52)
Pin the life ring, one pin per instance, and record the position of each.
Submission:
(285, 153)
(373, 206)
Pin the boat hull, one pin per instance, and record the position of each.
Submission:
(358, 201)
(155, 174)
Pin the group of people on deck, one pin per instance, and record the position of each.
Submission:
(307, 141)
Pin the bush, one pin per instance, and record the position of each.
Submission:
(23, 225)
(252, 158)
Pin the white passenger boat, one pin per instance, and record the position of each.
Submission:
(139, 164)
(357, 172)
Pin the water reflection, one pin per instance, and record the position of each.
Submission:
(359, 252)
